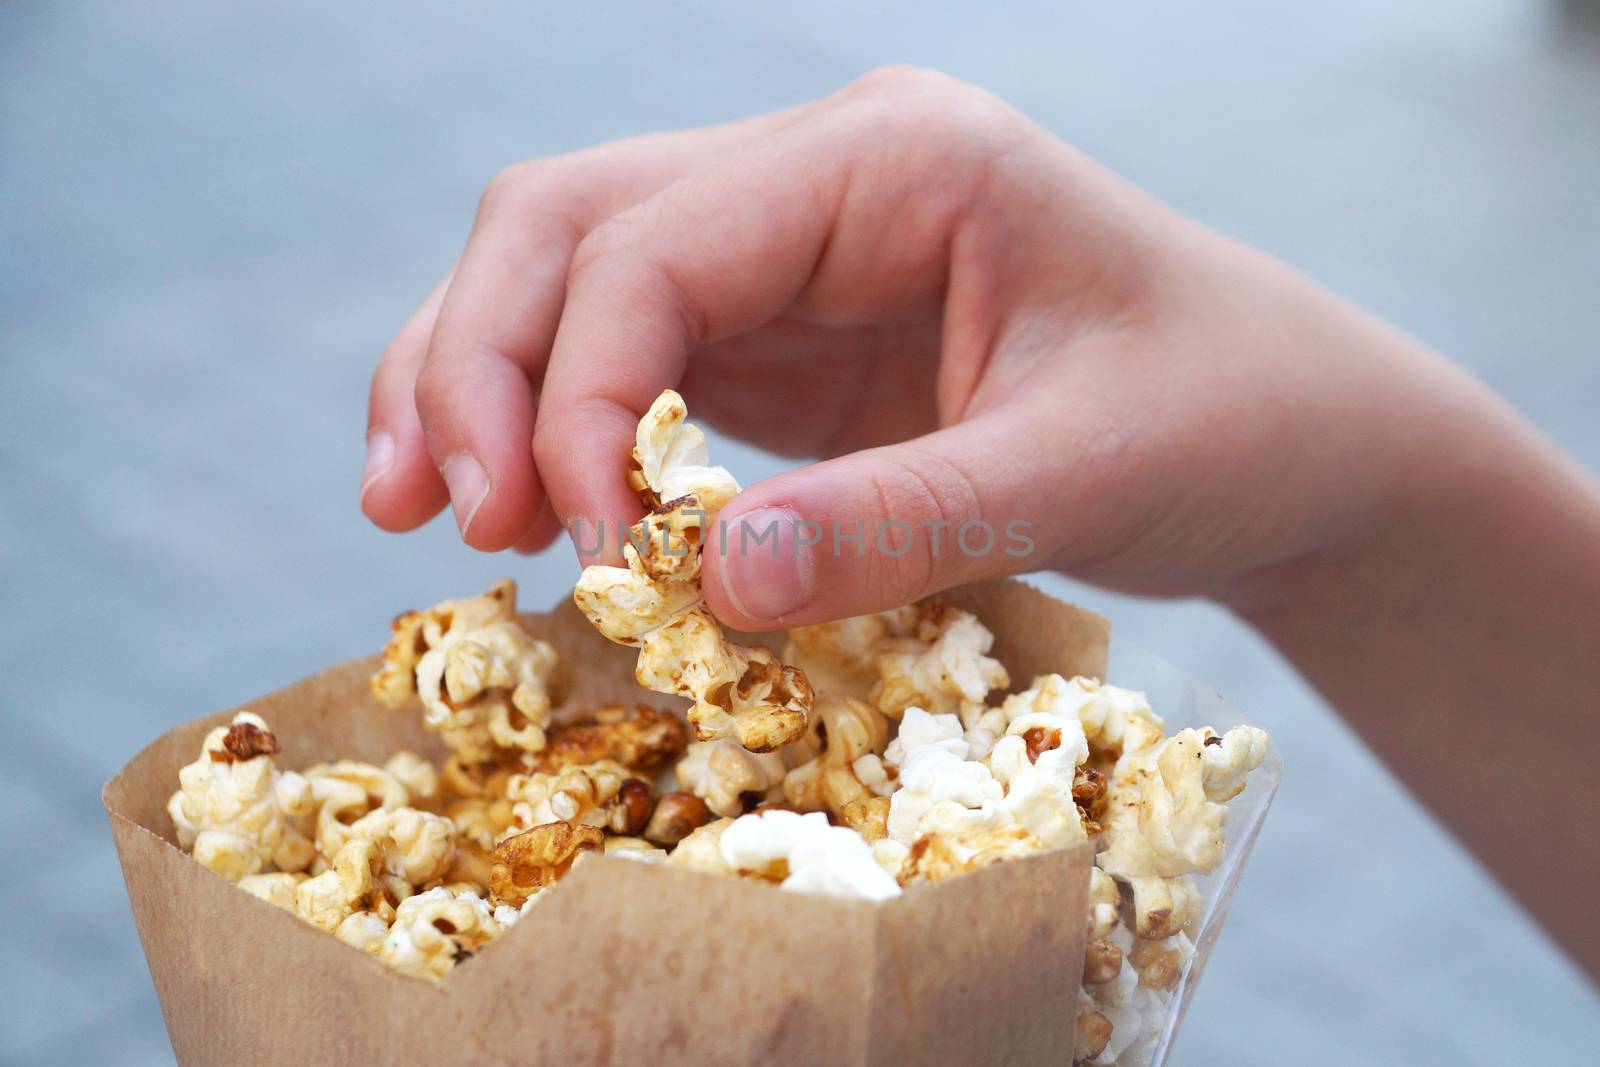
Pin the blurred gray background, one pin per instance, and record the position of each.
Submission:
(212, 220)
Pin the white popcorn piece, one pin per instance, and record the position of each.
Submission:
(919, 729)
(419, 777)
(434, 931)
(805, 854)
(702, 850)
(1230, 759)
(235, 811)
(1038, 791)
(483, 680)
(945, 668)
(939, 791)
(654, 602)
(723, 772)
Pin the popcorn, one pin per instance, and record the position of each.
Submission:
(840, 658)
(419, 777)
(1161, 824)
(641, 738)
(363, 930)
(868, 817)
(847, 731)
(418, 846)
(275, 887)
(602, 794)
(344, 792)
(943, 669)
(434, 931)
(937, 856)
(532, 861)
(634, 848)
(482, 678)
(1038, 786)
(1104, 899)
(350, 885)
(804, 854)
(702, 850)
(655, 601)
(940, 791)
(723, 773)
(235, 811)
(919, 729)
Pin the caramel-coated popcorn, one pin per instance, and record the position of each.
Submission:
(655, 602)
(235, 811)
(604, 794)
(534, 860)
(483, 680)
(434, 931)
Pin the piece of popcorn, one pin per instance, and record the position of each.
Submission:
(944, 668)
(275, 887)
(868, 817)
(603, 794)
(1159, 964)
(1136, 1015)
(1093, 1030)
(1110, 717)
(481, 677)
(418, 846)
(641, 738)
(1104, 900)
(702, 850)
(1102, 961)
(1161, 826)
(434, 931)
(677, 815)
(655, 602)
(919, 729)
(345, 791)
(840, 658)
(938, 856)
(1038, 788)
(1229, 759)
(723, 773)
(634, 848)
(353, 883)
(363, 930)
(804, 854)
(940, 791)
(846, 731)
(536, 859)
(419, 776)
(235, 811)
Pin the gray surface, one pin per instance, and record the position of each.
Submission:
(211, 222)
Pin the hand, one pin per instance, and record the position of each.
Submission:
(978, 322)
(977, 325)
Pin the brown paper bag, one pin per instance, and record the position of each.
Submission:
(623, 962)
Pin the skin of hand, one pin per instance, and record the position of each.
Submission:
(965, 319)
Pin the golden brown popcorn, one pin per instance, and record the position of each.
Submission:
(1102, 961)
(1159, 964)
(603, 794)
(434, 931)
(536, 859)
(641, 738)
(655, 603)
(1104, 901)
(483, 680)
(634, 848)
(842, 732)
(351, 885)
(677, 815)
(938, 856)
(235, 811)
(1093, 1030)
(868, 817)
(943, 668)
(727, 776)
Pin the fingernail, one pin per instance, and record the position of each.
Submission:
(767, 572)
(468, 486)
(380, 454)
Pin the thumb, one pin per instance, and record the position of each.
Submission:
(880, 528)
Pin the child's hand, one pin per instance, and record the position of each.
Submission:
(910, 276)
